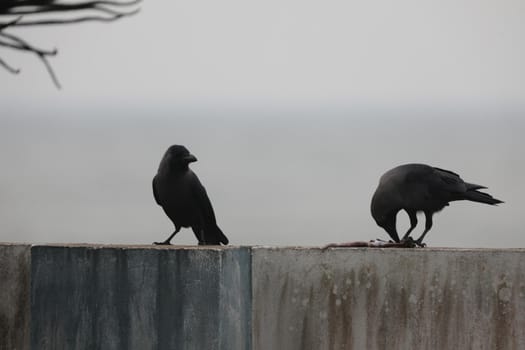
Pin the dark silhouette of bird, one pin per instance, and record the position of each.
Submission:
(180, 193)
(420, 188)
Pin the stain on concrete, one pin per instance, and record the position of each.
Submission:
(14, 296)
(389, 299)
(503, 315)
(117, 298)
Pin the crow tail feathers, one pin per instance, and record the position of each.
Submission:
(481, 197)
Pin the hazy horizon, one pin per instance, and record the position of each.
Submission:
(274, 179)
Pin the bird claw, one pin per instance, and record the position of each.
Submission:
(409, 241)
(420, 244)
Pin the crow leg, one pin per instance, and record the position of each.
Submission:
(428, 226)
(413, 223)
(167, 241)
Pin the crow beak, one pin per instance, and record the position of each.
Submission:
(390, 228)
(190, 158)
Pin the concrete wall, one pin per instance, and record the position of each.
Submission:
(14, 296)
(388, 299)
(112, 297)
(115, 298)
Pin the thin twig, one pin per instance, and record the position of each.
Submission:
(38, 7)
(50, 71)
(10, 23)
(77, 20)
(23, 45)
(9, 68)
(104, 12)
(63, 9)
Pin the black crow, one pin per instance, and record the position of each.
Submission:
(419, 187)
(180, 193)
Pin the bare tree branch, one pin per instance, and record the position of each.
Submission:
(8, 67)
(8, 24)
(77, 20)
(100, 11)
(50, 70)
(24, 7)
(23, 45)
(19, 44)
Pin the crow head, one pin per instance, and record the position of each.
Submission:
(384, 211)
(177, 157)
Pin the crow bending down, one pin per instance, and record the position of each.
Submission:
(419, 187)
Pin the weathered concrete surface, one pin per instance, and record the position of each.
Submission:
(145, 298)
(121, 297)
(388, 299)
(14, 296)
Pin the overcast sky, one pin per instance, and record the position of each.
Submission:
(364, 85)
(287, 51)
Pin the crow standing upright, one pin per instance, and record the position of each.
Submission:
(180, 193)
(419, 187)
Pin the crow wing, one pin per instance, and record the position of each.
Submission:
(424, 184)
(203, 202)
(155, 191)
(448, 183)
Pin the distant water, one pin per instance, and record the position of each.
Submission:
(275, 177)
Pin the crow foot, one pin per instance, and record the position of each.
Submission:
(162, 243)
(420, 244)
(409, 242)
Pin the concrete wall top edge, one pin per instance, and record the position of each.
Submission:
(123, 246)
(11, 244)
(412, 250)
(258, 247)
